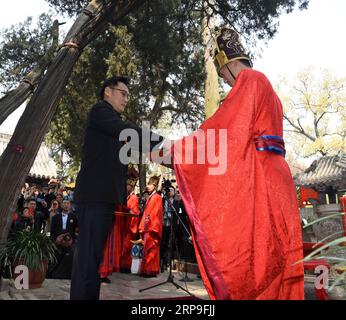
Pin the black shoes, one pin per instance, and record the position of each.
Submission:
(148, 275)
(124, 270)
(105, 280)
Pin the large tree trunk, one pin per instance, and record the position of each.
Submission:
(15, 98)
(211, 93)
(17, 159)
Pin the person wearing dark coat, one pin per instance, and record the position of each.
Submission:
(63, 232)
(101, 183)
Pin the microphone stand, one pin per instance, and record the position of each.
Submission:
(185, 278)
(170, 275)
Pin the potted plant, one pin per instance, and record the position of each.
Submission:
(334, 252)
(33, 250)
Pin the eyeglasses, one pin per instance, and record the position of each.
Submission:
(124, 93)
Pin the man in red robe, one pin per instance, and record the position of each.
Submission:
(242, 202)
(150, 230)
(118, 236)
(107, 263)
(131, 227)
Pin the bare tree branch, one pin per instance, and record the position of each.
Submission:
(299, 128)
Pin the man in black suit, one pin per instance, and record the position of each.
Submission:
(181, 229)
(64, 223)
(101, 183)
(64, 231)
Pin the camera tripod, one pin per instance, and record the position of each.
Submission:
(170, 275)
(185, 278)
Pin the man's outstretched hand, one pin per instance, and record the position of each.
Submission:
(162, 154)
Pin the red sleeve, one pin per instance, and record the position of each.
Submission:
(156, 215)
(152, 216)
(133, 204)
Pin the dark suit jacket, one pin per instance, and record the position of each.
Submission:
(102, 177)
(56, 226)
(178, 228)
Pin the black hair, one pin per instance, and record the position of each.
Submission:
(113, 81)
(246, 62)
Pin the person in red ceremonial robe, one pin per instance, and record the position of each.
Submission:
(241, 201)
(150, 230)
(119, 237)
(106, 266)
(113, 247)
(113, 252)
(131, 226)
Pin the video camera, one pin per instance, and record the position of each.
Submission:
(67, 237)
(166, 184)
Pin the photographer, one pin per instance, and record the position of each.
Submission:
(42, 213)
(184, 249)
(24, 221)
(169, 192)
(64, 231)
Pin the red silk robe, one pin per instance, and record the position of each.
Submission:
(245, 222)
(150, 228)
(119, 236)
(113, 248)
(106, 266)
(131, 228)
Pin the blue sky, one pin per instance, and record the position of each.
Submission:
(311, 37)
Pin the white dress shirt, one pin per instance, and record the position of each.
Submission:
(64, 220)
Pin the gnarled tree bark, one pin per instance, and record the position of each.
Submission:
(18, 158)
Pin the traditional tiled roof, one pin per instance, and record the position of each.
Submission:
(44, 165)
(326, 171)
(342, 162)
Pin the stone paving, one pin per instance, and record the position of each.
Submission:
(126, 287)
(122, 287)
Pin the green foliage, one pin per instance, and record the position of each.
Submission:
(333, 251)
(66, 132)
(21, 48)
(170, 74)
(307, 222)
(312, 220)
(29, 248)
(122, 58)
(254, 18)
(70, 7)
(159, 46)
(167, 75)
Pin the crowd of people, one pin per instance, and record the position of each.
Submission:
(37, 206)
(246, 248)
(51, 210)
(145, 228)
